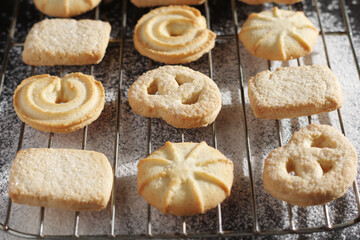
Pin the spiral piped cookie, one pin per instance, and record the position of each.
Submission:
(278, 34)
(173, 34)
(317, 165)
(51, 104)
(185, 178)
(184, 98)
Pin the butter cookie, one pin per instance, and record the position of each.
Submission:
(317, 165)
(294, 91)
(65, 8)
(278, 34)
(51, 104)
(173, 34)
(255, 2)
(185, 178)
(66, 42)
(152, 3)
(70, 179)
(184, 98)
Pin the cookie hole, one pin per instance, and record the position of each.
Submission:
(290, 168)
(323, 142)
(60, 100)
(325, 166)
(60, 92)
(192, 99)
(176, 29)
(152, 89)
(181, 79)
(62, 97)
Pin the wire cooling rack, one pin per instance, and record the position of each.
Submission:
(217, 220)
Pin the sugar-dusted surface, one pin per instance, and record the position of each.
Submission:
(131, 209)
(61, 178)
(53, 42)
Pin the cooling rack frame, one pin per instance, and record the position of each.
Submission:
(219, 231)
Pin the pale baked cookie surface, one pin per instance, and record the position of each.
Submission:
(278, 34)
(152, 3)
(65, 8)
(255, 2)
(317, 165)
(294, 91)
(173, 34)
(185, 178)
(51, 104)
(66, 42)
(61, 178)
(184, 98)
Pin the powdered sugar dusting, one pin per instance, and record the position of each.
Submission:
(131, 209)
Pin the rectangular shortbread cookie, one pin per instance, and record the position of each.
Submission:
(66, 42)
(61, 178)
(294, 91)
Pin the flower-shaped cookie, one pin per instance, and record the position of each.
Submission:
(278, 34)
(317, 165)
(53, 104)
(184, 98)
(173, 34)
(185, 178)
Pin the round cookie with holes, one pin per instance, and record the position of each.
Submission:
(278, 34)
(52, 104)
(185, 178)
(173, 34)
(317, 165)
(184, 98)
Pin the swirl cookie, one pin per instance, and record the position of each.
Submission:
(66, 42)
(152, 3)
(61, 178)
(294, 91)
(185, 178)
(53, 104)
(317, 165)
(173, 34)
(65, 8)
(255, 2)
(278, 34)
(184, 98)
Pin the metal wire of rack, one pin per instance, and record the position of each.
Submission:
(219, 232)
